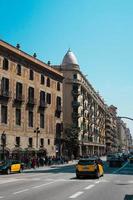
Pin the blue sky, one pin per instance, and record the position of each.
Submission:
(99, 32)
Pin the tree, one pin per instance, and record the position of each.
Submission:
(72, 142)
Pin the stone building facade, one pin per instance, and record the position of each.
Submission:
(125, 138)
(83, 110)
(118, 136)
(112, 137)
(30, 102)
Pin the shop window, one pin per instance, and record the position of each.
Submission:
(17, 141)
(30, 142)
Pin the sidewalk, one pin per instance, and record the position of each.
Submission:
(51, 167)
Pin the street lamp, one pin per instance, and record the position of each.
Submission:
(37, 131)
(3, 142)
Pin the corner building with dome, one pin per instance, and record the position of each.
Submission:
(84, 111)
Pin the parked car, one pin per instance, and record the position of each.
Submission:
(89, 167)
(10, 166)
(115, 161)
(109, 156)
(131, 159)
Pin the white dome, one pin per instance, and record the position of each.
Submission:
(70, 59)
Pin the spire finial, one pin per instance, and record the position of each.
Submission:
(69, 50)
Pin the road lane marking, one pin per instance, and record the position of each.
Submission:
(9, 180)
(21, 191)
(76, 195)
(97, 182)
(44, 184)
(89, 187)
(1, 197)
(120, 168)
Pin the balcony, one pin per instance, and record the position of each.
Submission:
(42, 146)
(5, 94)
(58, 111)
(76, 115)
(75, 103)
(108, 141)
(19, 98)
(76, 92)
(43, 104)
(31, 101)
(58, 108)
(17, 145)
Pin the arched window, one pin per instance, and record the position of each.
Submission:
(58, 86)
(48, 82)
(5, 64)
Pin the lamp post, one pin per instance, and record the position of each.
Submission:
(37, 131)
(3, 142)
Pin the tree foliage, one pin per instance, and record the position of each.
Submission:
(72, 142)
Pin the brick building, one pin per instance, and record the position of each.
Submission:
(30, 103)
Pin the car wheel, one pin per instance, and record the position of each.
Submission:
(8, 171)
(77, 176)
(97, 174)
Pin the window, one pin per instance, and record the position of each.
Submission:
(18, 90)
(48, 82)
(58, 130)
(74, 76)
(30, 118)
(4, 114)
(42, 79)
(18, 69)
(41, 142)
(31, 74)
(48, 141)
(42, 96)
(41, 120)
(5, 86)
(5, 64)
(17, 141)
(58, 101)
(48, 98)
(58, 86)
(30, 142)
(18, 116)
(31, 94)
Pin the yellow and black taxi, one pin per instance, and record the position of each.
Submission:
(10, 166)
(89, 167)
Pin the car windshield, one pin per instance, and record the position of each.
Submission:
(86, 162)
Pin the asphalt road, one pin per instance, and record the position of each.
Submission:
(60, 183)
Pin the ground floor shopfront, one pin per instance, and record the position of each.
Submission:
(23, 155)
(90, 149)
